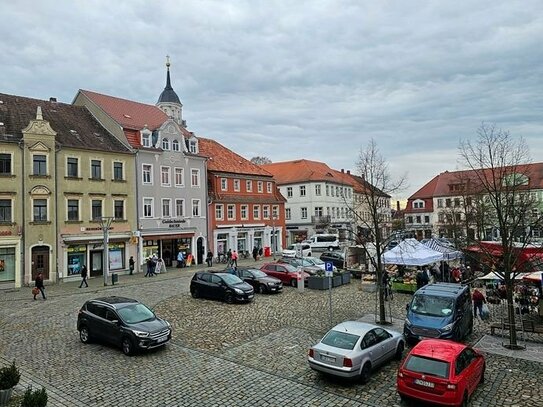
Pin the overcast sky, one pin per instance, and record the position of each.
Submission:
(298, 79)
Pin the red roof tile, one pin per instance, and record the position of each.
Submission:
(291, 172)
(129, 114)
(223, 159)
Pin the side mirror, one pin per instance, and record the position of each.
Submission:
(407, 307)
(115, 322)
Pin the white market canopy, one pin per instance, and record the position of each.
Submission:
(410, 252)
(449, 252)
(495, 276)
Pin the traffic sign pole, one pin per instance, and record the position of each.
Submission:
(329, 271)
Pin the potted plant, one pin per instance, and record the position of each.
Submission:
(346, 277)
(318, 281)
(337, 279)
(9, 378)
(36, 398)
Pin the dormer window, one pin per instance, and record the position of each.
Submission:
(193, 146)
(146, 139)
(175, 145)
(166, 144)
(418, 204)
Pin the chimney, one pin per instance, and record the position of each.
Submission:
(54, 100)
(349, 172)
(398, 206)
(342, 170)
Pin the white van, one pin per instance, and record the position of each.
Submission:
(290, 251)
(324, 241)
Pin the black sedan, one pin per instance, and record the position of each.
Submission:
(260, 281)
(220, 286)
(336, 257)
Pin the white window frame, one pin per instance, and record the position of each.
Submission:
(150, 172)
(67, 216)
(177, 214)
(260, 187)
(219, 212)
(165, 144)
(318, 190)
(151, 203)
(175, 145)
(303, 213)
(269, 187)
(146, 139)
(167, 201)
(193, 146)
(177, 171)
(165, 170)
(237, 187)
(275, 211)
(303, 192)
(195, 172)
(287, 213)
(244, 212)
(249, 185)
(224, 184)
(256, 212)
(289, 192)
(265, 211)
(231, 212)
(196, 204)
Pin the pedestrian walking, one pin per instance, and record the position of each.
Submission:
(260, 252)
(39, 285)
(84, 275)
(235, 259)
(229, 257)
(386, 285)
(209, 258)
(255, 253)
(149, 272)
(478, 301)
(180, 260)
(131, 264)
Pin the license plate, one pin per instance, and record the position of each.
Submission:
(162, 338)
(250, 296)
(424, 383)
(328, 358)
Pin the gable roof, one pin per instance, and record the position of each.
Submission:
(361, 186)
(74, 125)
(292, 172)
(222, 159)
(129, 114)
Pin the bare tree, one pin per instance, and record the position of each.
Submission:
(500, 166)
(258, 160)
(378, 186)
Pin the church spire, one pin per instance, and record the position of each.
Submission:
(168, 95)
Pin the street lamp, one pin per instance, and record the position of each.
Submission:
(274, 241)
(105, 223)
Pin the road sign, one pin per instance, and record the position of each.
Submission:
(328, 268)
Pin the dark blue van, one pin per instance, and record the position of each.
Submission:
(441, 310)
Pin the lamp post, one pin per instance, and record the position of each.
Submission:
(274, 241)
(105, 223)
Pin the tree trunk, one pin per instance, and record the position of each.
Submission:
(381, 290)
(511, 311)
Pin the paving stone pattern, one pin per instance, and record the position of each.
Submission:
(221, 355)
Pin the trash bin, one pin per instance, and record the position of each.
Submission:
(267, 251)
(114, 278)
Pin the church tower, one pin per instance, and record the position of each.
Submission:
(169, 102)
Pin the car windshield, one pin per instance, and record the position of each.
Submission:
(292, 247)
(432, 305)
(290, 268)
(428, 366)
(258, 273)
(135, 313)
(231, 279)
(341, 340)
(315, 261)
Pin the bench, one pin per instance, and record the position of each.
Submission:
(527, 326)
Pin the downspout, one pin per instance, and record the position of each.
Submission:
(21, 144)
(208, 220)
(140, 237)
(57, 228)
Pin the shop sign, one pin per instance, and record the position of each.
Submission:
(173, 223)
(77, 249)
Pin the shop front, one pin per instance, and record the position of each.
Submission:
(91, 254)
(8, 266)
(167, 247)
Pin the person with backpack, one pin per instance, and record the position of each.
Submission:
(478, 301)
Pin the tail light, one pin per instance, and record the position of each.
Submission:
(451, 386)
(347, 362)
(311, 353)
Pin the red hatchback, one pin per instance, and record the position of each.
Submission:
(285, 272)
(441, 372)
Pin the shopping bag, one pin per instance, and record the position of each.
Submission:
(485, 312)
(35, 291)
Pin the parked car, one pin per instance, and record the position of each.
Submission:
(315, 261)
(259, 280)
(290, 251)
(285, 272)
(352, 349)
(220, 286)
(302, 264)
(324, 241)
(337, 258)
(123, 322)
(441, 372)
(442, 310)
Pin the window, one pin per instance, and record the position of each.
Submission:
(244, 209)
(287, 213)
(175, 145)
(147, 173)
(332, 190)
(166, 207)
(5, 210)
(224, 184)
(118, 171)
(219, 215)
(289, 192)
(456, 202)
(73, 209)
(146, 139)
(118, 209)
(304, 213)
(195, 207)
(256, 211)
(40, 210)
(193, 146)
(72, 167)
(302, 190)
(5, 164)
(318, 189)
(275, 211)
(266, 211)
(410, 219)
(231, 212)
(249, 185)
(236, 185)
(468, 201)
(195, 177)
(96, 169)
(179, 208)
(165, 176)
(327, 190)
(337, 191)
(147, 207)
(40, 165)
(96, 209)
(260, 187)
(418, 219)
(269, 187)
(448, 202)
(440, 203)
(166, 144)
(319, 211)
(179, 177)
(458, 217)
(426, 219)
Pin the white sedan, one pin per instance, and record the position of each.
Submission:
(353, 349)
(315, 261)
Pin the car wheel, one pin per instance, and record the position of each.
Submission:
(84, 334)
(128, 346)
(262, 289)
(366, 372)
(229, 298)
(404, 399)
(195, 293)
(399, 351)
(293, 282)
(309, 254)
(482, 380)
(465, 400)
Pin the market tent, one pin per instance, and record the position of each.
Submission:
(410, 252)
(449, 252)
(534, 277)
(495, 276)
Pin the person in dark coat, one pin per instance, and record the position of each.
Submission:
(255, 253)
(39, 285)
(209, 258)
(84, 275)
(149, 267)
(131, 264)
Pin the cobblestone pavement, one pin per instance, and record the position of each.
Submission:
(221, 355)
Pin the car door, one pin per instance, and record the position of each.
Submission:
(112, 329)
(386, 342)
(282, 274)
(473, 368)
(217, 287)
(248, 277)
(100, 324)
(371, 348)
(270, 270)
(460, 373)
